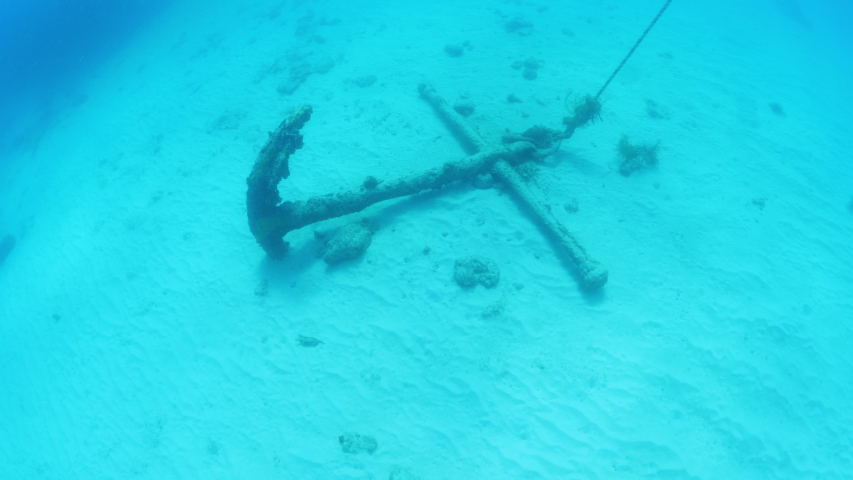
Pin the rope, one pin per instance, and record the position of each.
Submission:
(631, 52)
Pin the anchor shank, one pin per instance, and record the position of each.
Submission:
(299, 214)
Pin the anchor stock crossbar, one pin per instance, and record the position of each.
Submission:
(270, 218)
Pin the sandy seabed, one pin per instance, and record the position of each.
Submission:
(145, 335)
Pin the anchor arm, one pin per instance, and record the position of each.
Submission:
(270, 168)
(270, 218)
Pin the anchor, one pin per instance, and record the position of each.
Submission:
(271, 218)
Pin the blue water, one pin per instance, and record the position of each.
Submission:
(145, 333)
(47, 49)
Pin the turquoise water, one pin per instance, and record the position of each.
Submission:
(144, 332)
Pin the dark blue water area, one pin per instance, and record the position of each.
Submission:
(829, 20)
(839, 17)
(47, 47)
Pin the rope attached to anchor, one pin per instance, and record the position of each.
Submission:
(631, 52)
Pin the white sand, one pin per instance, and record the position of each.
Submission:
(136, 340)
